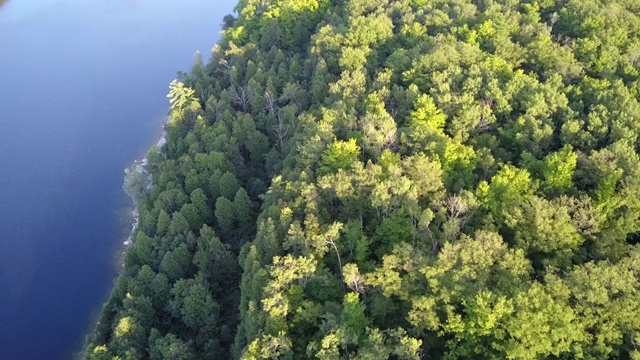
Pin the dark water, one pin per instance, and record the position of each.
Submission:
(82, 94)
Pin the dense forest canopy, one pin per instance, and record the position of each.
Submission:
(411, 179)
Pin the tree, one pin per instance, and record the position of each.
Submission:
(228, 21)
(242, 207)
(394, 180)
(604, 296)
(193, 216)
(215, 260)
(229, 185)
(163, 223)
(175, 264)
(179, 224)
(180, 95)
(510, 186)
(169, 347)
(136, 182)
(200, 202)
(545, 231)
(225, 213)
(198, 308)
(379, 128)
(425, 130)
(541, 326)
(339, 155)
(557, 170)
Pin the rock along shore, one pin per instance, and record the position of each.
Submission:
(139, 167)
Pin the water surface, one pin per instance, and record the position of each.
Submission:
(82, 94)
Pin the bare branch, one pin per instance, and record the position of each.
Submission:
(280, 129)
(240, 96)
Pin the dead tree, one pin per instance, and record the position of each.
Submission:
(270, 106)
(240, 96)
(280, 129)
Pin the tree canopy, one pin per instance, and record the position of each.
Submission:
(407, 179)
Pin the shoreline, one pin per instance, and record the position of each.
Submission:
(139, 166)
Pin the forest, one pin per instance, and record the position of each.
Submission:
(394, 179)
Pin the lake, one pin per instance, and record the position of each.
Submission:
(82, 94)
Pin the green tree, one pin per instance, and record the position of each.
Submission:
(136, 180)
(339, 155)
(242, 207)
(545, 231)
(509, 187)
(168, 347)
(558, 169)
(175, 264)
(225, 213)
(200, 202)
(197, 308)
(605, 298)
(229, 185)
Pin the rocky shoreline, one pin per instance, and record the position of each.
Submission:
(139, 167)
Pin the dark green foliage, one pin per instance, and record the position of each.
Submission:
(242, 207)
(229, 185)
(376, 179)
(225, 214)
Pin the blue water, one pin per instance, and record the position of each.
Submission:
(82, 94)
